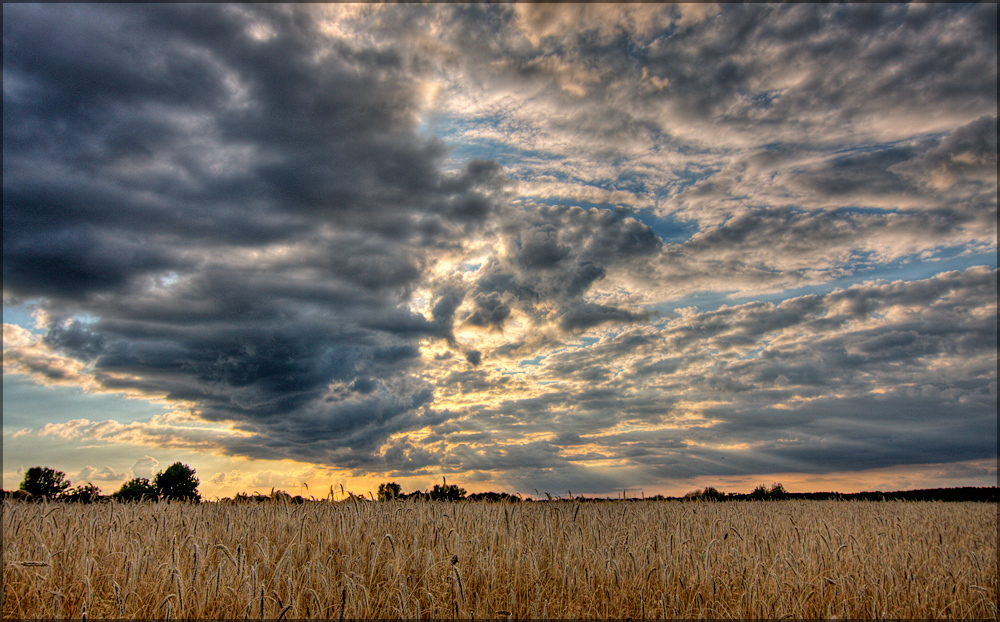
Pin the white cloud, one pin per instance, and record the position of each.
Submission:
(145, 467)
(105, 474)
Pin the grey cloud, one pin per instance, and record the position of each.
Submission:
(969, 154)
(588, 315)
(868, 88)
(897, 383)
(554, 256)
(886, 432)
(861, 173)
(246, 218)
(472, 381)
(895, 344)
(849, 61)
(787, 247)
(490, 311)
(443, 312)
(812, 36)
(813, 71)
(538, 248)
(583, 275)
(815, 125)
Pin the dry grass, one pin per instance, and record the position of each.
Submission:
(803, 559)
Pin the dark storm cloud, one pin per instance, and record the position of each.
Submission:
(241, 202)
(237, 133)
(490, 311)
(588, 315)
(926, 170)
(969, 154)
(895, 428)
(862, 173)
(553, 255)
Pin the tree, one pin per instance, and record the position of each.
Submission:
(177, 483)
(713, 494)
(389, 491)
(43, 482)
(778, 491)
(87, 493)
(692, 495)
(709, 494)
(136, 489)
(447, 492)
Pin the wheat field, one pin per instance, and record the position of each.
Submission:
(564, 559)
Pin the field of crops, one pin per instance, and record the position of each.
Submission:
(563, 559)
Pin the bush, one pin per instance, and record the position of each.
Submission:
(494, 497)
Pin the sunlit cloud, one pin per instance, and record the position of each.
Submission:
(104, 475)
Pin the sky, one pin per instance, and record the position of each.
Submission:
(566, 248)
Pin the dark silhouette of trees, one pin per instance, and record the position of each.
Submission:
(441, 492)
(447, 492)
(177, 483)
(136, 489)
(88, 493)
(389, 491)
(709, 494)
(281, 496)
(762, 493)
(44, 483)
(492, 497)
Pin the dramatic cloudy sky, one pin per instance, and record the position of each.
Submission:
(553, 247)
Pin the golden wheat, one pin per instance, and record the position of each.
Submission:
(628, 559)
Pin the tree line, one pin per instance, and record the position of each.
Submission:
(777, 492)
(179, 483)
(444, 491)
(175, 483)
